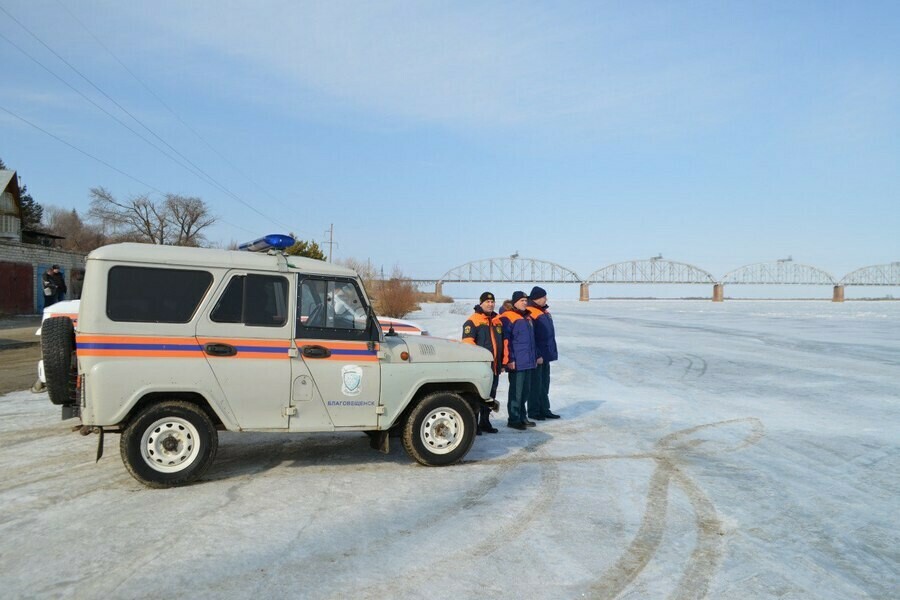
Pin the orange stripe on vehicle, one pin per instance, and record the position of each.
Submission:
(245, 342)
(335, 345)
(350, 359)
(132, 339)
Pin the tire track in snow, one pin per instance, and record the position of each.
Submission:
(704, 560)
(498, 538)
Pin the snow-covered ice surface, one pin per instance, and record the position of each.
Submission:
(734, 450)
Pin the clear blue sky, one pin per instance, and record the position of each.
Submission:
(431, 134)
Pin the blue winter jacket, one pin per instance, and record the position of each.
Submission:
(518, 339)
(544, 332)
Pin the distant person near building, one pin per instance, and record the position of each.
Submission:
(522, 358)
(545, 339)
(77, 284)
(484, 329)
(54, 286)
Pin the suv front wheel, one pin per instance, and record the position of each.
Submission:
(440, 430)
(169, 444)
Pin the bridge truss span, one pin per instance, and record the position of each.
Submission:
(652, 270)
(782, 272)
(510, 270)
(887, 274)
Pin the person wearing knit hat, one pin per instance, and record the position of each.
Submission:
(483, 329)
(545, 339)
(521, 359)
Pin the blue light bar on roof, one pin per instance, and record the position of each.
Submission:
(274, 241)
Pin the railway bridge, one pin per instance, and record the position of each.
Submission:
(657, 270)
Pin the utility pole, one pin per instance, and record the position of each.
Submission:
(330, 242)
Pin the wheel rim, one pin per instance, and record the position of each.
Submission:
(442, 430)
(170, 445)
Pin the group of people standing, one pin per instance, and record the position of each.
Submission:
(522, 340)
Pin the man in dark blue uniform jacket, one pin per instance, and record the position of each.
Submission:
(545, 338)
(522, 358)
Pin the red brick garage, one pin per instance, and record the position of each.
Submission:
(16, 288)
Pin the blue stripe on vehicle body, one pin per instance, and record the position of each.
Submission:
(169, 347)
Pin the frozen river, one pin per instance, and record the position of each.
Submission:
(734, 450)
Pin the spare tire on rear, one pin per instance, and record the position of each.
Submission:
(60, 366)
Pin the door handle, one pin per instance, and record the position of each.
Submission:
(220, 349)
(316, 352)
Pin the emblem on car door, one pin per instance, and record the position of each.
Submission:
(351, 380)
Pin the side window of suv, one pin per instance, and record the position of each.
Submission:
(331, 309)
(259, 300)
(153, 295)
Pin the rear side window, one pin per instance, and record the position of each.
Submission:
(259, 300)
(149, 295)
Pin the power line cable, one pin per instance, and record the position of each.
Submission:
(112, 116)
(167, 107)
(202, 174)
(91, 101)
(100, 160)
(85, 152)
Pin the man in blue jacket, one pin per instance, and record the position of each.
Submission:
(521, 359)
(545, 339)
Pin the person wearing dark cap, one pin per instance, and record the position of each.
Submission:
(484, 329)
(545, 339)
(54, 284)
(522, 358)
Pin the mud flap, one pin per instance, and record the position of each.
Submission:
(99, 445)
(379, 440)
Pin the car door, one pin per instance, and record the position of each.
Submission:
(337, 344)
(246, 337)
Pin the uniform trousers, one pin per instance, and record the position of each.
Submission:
(520, 384)
(484, 413)
(539, 404)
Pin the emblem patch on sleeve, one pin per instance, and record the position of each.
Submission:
(467, 329)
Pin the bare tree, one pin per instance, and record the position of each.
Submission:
(178, 220)
(189, 217)
(78, 235)
(394, 297)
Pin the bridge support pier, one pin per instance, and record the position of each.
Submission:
(585, 293)
(838, 295)
(438, 289)
(718, 292)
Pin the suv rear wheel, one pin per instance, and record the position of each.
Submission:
(440, 430)
(169, 444)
